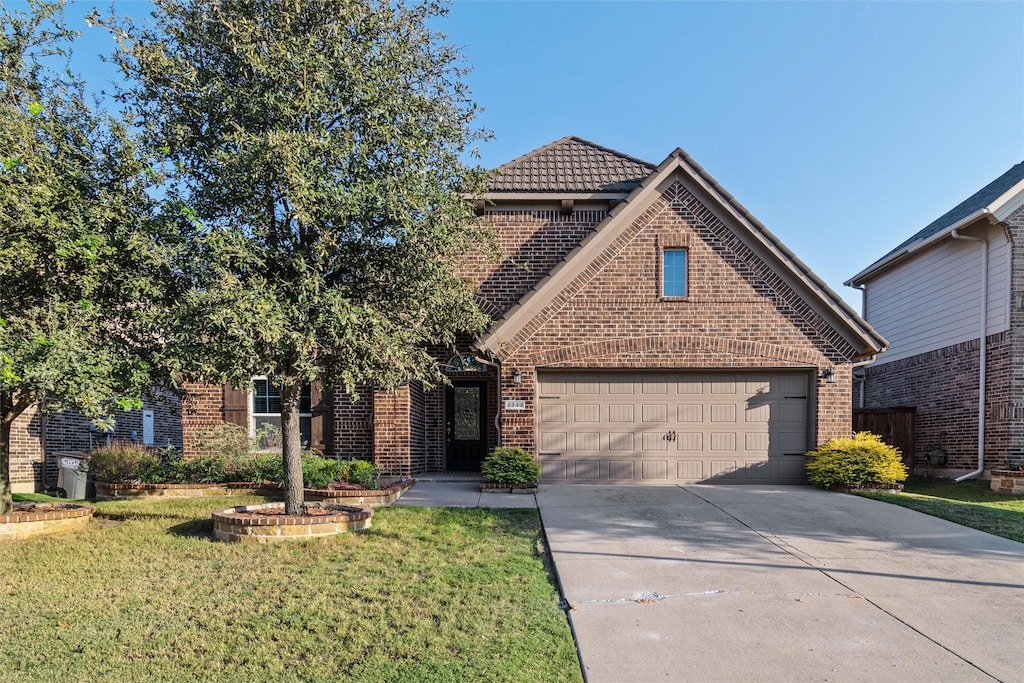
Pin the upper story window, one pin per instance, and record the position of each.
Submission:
(673, 272)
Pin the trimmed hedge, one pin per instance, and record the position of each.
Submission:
(510, 466)
(855, 461)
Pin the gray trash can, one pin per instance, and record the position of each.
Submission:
(72, 476)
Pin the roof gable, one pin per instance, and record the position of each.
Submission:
(571, 164)
(524, 315)
(998, 198)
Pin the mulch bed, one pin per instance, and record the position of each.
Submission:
(310, 511)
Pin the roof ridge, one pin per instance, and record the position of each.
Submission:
(576, 138)
(976, 201)
(533, 152)
(609, 150)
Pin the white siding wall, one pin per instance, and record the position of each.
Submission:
(931, 300)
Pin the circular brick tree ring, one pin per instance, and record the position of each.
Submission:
(267, 523)
(40, 519)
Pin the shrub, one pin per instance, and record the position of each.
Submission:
(319, 473)
(855, 461)
(510, 466)
(226, 439)
(363, 473)
(122, 463)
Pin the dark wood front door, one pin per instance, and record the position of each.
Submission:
(465, 426)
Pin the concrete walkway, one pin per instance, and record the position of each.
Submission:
(460, 491)
(743, 583)
(716, 583)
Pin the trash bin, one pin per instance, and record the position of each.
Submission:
(72, 476)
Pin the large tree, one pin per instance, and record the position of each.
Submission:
(80, 260)
(317, 148)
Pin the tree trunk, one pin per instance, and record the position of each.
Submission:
(6, 503)
(291, 446)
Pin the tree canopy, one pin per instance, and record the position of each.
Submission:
(317, 149)
(82, 264)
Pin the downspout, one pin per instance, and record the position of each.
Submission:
(983, 355)
(862, 377)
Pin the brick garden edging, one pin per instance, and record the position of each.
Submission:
(494, 487)
(1008, 481)
(232, 527)
(106, 491)
(41, 519)
(372, 497)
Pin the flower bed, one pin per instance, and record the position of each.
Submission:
(354, 496)
(40, 519)
(105, 491)
(359, 496)
(1008, 481)
(267, 523)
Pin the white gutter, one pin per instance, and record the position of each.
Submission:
(919, 245)
(983, 357)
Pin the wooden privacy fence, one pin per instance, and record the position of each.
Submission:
(894, 425)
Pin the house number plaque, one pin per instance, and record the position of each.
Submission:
(514, 404)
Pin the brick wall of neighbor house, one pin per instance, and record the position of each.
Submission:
(739, 313)
(943, 386)
(69, 431)
(27, 452)
(1015, 408)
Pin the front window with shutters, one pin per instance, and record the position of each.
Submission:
(266, 410)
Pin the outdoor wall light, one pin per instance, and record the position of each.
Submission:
(517, 377)
(829, 375)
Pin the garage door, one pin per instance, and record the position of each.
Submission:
(672, 427)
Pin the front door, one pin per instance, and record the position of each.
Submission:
(465, 426)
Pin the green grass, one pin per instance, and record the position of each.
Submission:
(427, 594)
(36, 498)
(969, 503)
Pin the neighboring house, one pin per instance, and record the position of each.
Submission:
(38, 440)
(931, 297)
(646, 329)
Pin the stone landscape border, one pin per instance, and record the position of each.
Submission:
(373, 497)
(41, 519)
(1008, 481)
(233, 525)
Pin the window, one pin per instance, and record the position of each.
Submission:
(266, 409)
(673, 272)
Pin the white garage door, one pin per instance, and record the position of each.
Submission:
(672, 427)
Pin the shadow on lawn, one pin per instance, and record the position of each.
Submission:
(195, 528)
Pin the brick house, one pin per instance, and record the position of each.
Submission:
(37, 439)
(931, 297)
(647, 329)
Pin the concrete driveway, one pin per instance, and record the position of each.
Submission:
(742, 583)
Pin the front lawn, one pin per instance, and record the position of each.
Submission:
(427, 594)
(970, 503)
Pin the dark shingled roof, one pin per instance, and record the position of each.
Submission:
(571, 164)
(977, 201)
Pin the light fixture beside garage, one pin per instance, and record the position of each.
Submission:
(829, 375)
(517, 376)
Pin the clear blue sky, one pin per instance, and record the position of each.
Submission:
(844, 127)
